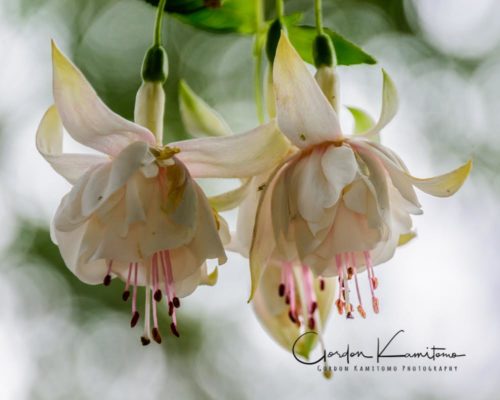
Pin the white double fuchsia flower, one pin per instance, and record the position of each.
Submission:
(201, 120)
(340, 204)
(135, 211)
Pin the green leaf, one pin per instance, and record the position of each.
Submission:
(232, 16)
(348, 53)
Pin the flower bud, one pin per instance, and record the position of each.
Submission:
(323, 51)
(273, 37)
(199, 119)
(155, 65)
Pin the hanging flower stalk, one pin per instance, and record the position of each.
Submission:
(135, 211)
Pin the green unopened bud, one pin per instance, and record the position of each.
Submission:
(323, 51)
(155, 65)
(273, 37)
(198, 117)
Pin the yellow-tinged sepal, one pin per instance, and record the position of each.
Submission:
(406, 237)
(443, 185)
(211, 279)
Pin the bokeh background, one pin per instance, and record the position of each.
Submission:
(61, 339)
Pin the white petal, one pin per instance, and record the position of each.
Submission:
(443, 185)
(340, 168)
(107, 180)
(241, 240)
(49, 142)
(231, 199)
(350, 233)
(87, 119)
(237, 156)
(303, 112)
(263, 243)
(200, 120)
(390, 105)
(310, 191)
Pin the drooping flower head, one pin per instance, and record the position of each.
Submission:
(341, 204)
(135, 212)
(301, 296)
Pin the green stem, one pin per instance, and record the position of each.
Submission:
(319, 16)
(159, 18)
(280, 9)
(257, 53)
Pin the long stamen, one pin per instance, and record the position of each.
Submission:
(369, 263)
(107, 278)
(346, 287)
(126, 292)
(291, 292)
(155, 332)
(369, 269)
(156, 291)
(167, 272)
(311, 303)
(282, 286)
(358, 292)
(170, 278)
(135, 313)
(340, 303)
(147, 317)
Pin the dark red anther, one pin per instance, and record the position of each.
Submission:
(157, 295)
(135, 318)
(350, 315)
(174, 330)
(145, 341)
(287, 299)
(292, 317)
(107, 280)
(314, 306)
(177, 302)
(311, 323)
(281, 290)
(156, 335)
(321, 284)
(170, 308)
(126, 295)
(350, 272)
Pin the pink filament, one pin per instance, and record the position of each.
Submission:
(354, 268)
(308, 288)
(338, 261)
(167, 273)
(127, 285)
(369, 270)
(290, 286)
(134, 295)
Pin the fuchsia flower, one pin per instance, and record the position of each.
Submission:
(135, 211)
(337, 206)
